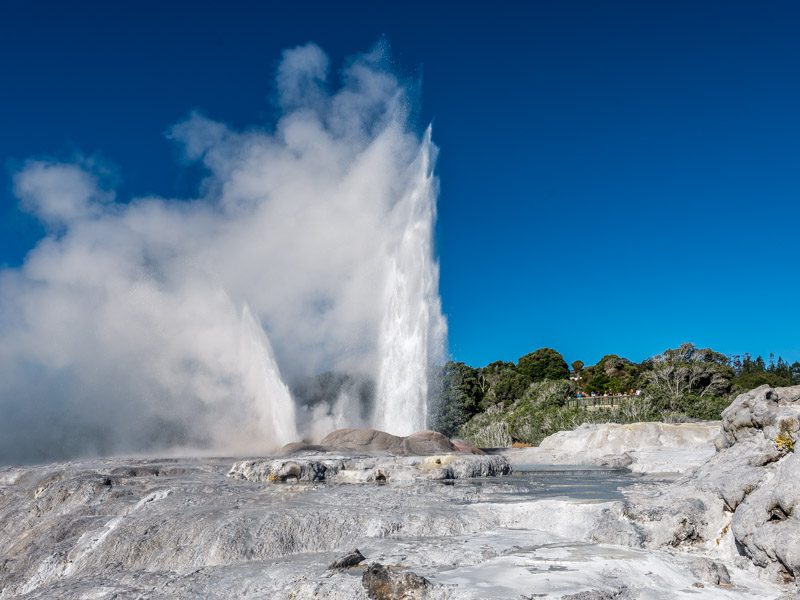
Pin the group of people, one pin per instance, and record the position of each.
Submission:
(608, 394)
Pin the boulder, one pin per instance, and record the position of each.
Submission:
(348, 560)
(465, 447)
(710, 571)
(746, 497)
(426, 443)
(384, 583)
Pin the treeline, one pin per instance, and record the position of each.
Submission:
(507, 402)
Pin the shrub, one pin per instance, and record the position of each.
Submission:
(784, 441)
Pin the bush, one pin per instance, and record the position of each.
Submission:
(487, 429)
(540, 412)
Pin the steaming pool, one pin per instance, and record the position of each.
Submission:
(574, 482)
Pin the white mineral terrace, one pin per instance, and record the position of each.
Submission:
(430, 518)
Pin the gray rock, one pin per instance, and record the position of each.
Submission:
(750, 487)
(710, 571)
(620, 594)
(615, 461)
(611, 529)
(348, 560)
(384, 583)
(369, 469)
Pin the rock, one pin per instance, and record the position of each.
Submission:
(710, 571)
(426, 443)
(383, 583)
(369, 469)
(641, 447)
(423, 443)
(294, 448)
(348, 560)
(620, 594)
(611, 529)
(747, 493)
(362, 440)
(465, 447)
(615, 461)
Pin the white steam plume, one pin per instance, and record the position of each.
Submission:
(155, 323)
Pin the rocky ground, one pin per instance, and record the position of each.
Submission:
(743, 504)
(640, 447)
(429, 517)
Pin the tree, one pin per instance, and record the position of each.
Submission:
(754, 373)
(612, 373)
(681, 374)
(458, 399)
(542, 364)
(577, 368)
(794, 370)
(510, 386)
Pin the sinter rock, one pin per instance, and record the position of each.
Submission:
(369, 455)
(745, 500)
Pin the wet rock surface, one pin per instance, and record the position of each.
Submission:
(199, 528)
(369, 469)
(371, 456)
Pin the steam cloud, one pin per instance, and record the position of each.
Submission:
(158, 323)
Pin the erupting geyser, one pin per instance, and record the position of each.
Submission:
(124, 329)
(412, 329)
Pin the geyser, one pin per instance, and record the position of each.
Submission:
(412, 328)
(156, 322)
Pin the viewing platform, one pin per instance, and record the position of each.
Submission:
(600, 402)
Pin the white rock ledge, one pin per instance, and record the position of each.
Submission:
(369, 469)
(641, 447)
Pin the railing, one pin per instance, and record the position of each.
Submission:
(595, 402)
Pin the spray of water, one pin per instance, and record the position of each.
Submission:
(273, 408)
(124, 329)
(412, 328)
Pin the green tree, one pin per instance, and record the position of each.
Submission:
(458, 399)
(510, 386)
(542, 364)
(680, 375)
(577, 368)
(612, 373)
(794, 370)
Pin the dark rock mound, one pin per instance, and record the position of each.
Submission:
(348, 560)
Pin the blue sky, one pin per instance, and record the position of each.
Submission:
(615, 177)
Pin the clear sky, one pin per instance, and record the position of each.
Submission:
(616, 177)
